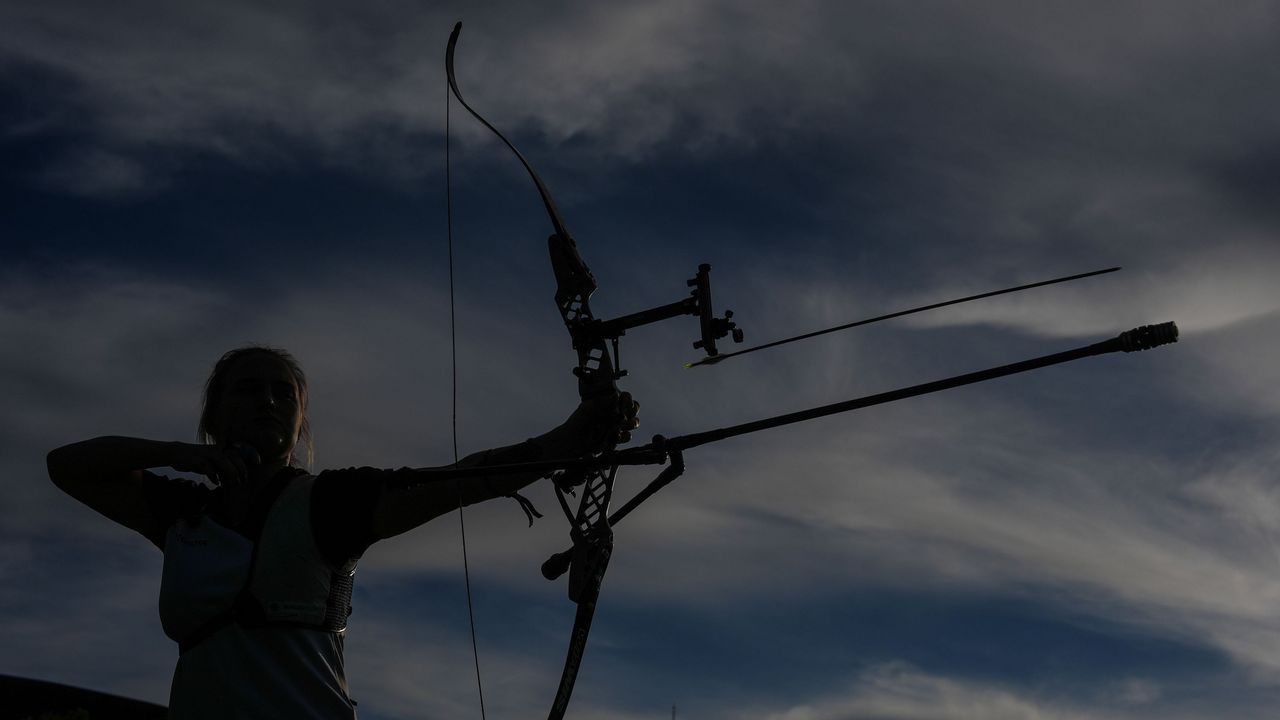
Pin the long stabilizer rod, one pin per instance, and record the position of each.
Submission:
(1142, 338)
(713, 359)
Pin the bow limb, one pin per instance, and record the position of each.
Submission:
(556, 221)
(592, 536)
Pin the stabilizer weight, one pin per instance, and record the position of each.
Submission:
(557, 564)
(1148, 336)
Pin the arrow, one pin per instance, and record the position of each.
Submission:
(713, 359)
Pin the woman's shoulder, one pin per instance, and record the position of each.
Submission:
(342, 507)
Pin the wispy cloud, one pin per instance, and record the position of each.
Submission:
(901, 692)
(1017, 84)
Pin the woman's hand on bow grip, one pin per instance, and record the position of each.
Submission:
(595, 425)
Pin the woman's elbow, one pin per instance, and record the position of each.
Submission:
(55, 461)
(61, 465)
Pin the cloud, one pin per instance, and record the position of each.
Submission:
(103, 174)
(898, 691)
(901, 692)
(619, 84)
(54, 619)
(412, 667)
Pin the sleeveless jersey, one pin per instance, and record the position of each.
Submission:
(259, 621)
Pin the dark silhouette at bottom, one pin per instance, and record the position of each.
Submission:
(43, 700)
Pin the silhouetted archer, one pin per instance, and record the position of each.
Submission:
(259, 569)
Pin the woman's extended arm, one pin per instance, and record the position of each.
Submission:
(400, 509)
(105, 473)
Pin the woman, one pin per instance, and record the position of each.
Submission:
(258, 571)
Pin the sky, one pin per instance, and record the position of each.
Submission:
(1094, 540)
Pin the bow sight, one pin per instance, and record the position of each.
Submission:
(698, 303)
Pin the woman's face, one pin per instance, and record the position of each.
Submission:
(260, 405)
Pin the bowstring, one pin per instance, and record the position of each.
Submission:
(453, 349)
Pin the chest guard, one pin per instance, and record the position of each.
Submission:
(214, 576)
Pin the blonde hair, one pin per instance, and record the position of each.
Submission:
(215, 386)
